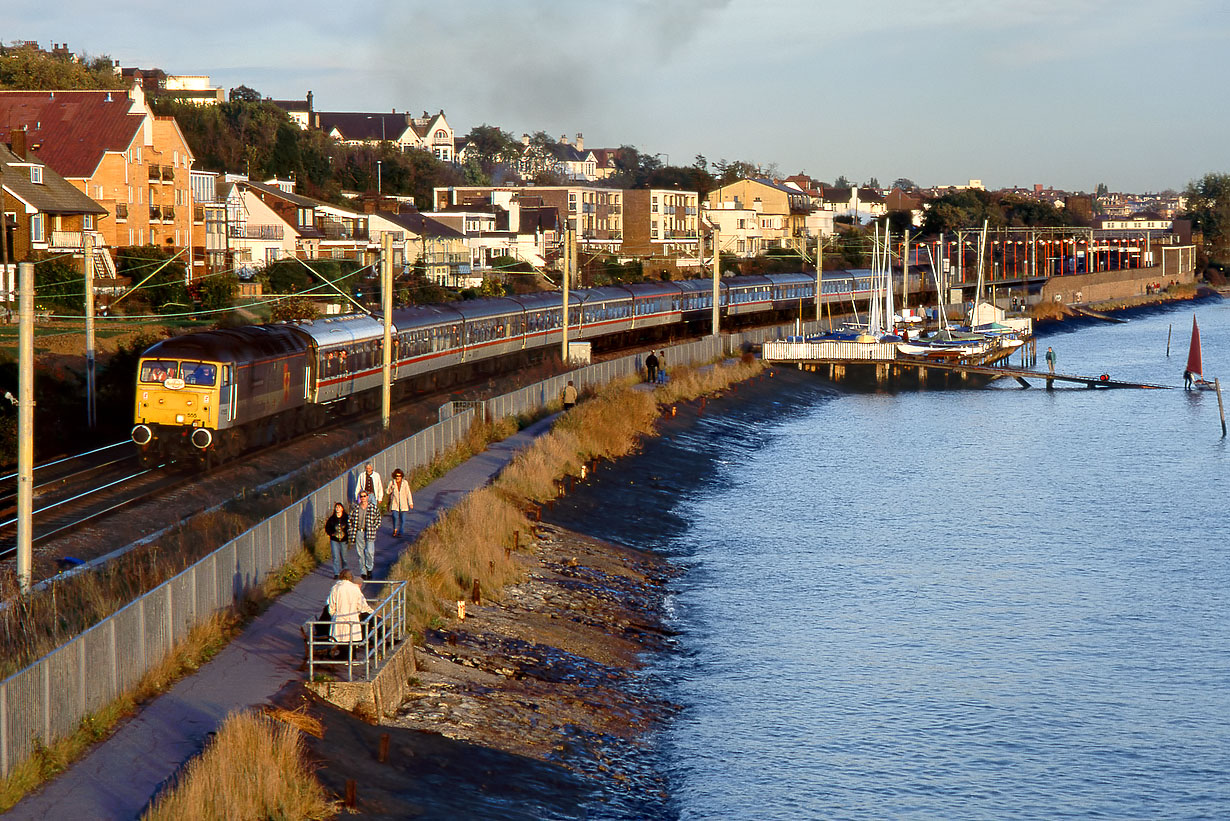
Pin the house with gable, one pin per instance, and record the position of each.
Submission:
(417, 238)
(780, 210)
(320, 230)
(111, 147)
(567, 160)
(430, 133)
(41, 212)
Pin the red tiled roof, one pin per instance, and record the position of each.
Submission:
(73, 128)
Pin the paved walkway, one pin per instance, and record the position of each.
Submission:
(118, 778)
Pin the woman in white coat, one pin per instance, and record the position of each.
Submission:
(346, 603)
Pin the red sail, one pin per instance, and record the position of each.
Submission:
(1193, 354)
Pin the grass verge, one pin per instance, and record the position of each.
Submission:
(471, 542)
(256, 767)
(204, 642)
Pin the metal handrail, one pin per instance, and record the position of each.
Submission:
(383, 630)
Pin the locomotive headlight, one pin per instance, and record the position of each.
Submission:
(179, 417)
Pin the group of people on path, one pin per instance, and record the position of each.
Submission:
(358, 527)
(655, 368)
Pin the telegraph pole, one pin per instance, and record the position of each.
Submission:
(819, 270)
(91, 414)
(386, 305)
(568, 241)
(717, 274)
(25, 425)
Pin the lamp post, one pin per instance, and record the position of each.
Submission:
(379, 186)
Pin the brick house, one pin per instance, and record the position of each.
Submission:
(111, 147)
(430, 133)
(662, 224)
(43, 213)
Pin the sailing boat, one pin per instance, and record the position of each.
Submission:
(944, 343)
(1193, 377)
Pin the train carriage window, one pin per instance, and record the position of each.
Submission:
(199, 373)
(158, 370)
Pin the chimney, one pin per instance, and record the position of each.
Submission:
(580, 146)
(563, 140)
(525, 140)
(17, 141)
(309, 102)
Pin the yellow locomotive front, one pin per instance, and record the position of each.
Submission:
(177, 404)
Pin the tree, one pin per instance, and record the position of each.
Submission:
(490, 148)
(905, 184)
(157, 275)
(244, 94)
(1208, 207)
(28, 67)
(293, 308)
(1102, 190)
(841, 182)
(872, 182)
(216, 292)
(60, 284)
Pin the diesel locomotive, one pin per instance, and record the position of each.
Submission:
(217, 393)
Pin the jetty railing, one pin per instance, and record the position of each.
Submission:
(381, 632)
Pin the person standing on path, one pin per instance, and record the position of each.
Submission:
(401, 501)
(651, 368)
(364, 525)
(346, 603)
(369, 480)
(569, 397)
(337, 527)
(662, 367)
(1050, 359)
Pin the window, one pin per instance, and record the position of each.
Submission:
(38, 229)
(87, 222)
(36, 174)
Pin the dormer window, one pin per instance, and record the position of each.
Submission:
(36, 174)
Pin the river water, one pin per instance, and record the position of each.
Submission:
(995, 603)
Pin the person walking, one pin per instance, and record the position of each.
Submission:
(569, 396)
(662, 367)
(1050, 359)
(401, 501)
(369, 480)
(651, 368)
(346, 603)
(337, 527)
(364, 525)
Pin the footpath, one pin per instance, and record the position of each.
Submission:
(118, 777)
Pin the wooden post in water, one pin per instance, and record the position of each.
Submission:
(1168, 332)
(1221, 408)
(383, 755)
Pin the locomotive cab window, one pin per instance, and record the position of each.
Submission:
(200, 373)
(159, 370)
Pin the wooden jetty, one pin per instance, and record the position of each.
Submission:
(883, 364)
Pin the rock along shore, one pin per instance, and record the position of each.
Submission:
(535, 698)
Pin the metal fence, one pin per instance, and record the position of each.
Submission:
(47, 700)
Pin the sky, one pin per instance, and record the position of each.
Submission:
(1066, 93)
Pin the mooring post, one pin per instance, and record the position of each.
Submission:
(383, 755)
(1221, 408)
(350, 793)
(1169, 330)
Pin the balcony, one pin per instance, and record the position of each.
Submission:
(198, 214)
(73, 240)
(121, 212)
(168, 214)
(338, 230)
(155, 213)
(266, 232)
(168, 173)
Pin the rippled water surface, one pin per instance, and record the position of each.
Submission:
(946, 604)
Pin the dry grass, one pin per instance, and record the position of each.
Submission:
(202, 643)
(256, 767)
(688, 383)
(468, 542)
